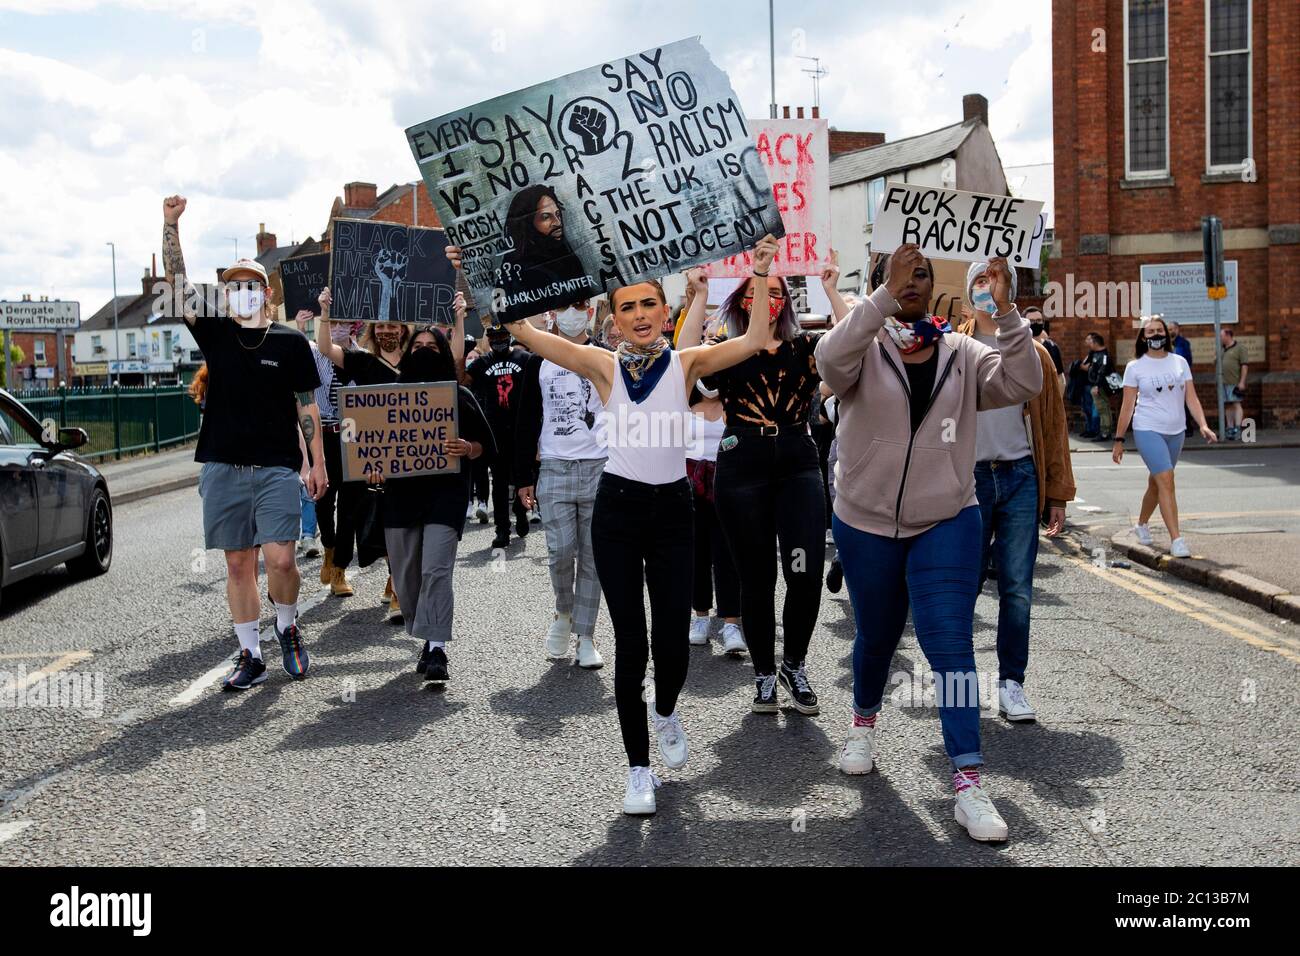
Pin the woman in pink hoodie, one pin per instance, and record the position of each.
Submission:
(907, 521)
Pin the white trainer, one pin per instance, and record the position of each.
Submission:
(1178, 548)
(588, 656)
(672, 738)
(557, 638)
(1012, 703)
(699, 631)
(733, 639)
(859, 754)
(639, 800)
(975, 811)
(1143, 534)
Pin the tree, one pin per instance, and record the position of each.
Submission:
(16, 359)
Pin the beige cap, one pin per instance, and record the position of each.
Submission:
(248, 269)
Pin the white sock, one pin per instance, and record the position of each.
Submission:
(248, 638)
(437, 645)
(286, 615)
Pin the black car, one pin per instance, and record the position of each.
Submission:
(54, 506)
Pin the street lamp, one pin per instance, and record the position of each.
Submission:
(117, 348)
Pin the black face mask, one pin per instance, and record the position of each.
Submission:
(1156, 342)
(500, 346)
(424, 365)
(1036, 328)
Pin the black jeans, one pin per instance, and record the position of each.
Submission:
(482, 473)
(641, 540)
(339, 497)
(504, 501)
(769, 490)
(714, 568)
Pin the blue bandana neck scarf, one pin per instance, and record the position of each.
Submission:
(914, 336)
(641, 368)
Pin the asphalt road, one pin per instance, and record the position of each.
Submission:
(1168, 735)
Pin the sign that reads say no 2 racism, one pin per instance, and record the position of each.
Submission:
(398, 431)
(629, 170)
(387, 272)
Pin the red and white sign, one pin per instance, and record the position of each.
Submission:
(796, 154)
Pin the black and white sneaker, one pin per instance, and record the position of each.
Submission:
(835, 577)
(435, 666)
(422, 664)
(765, 694)
(501, 540)
(248, 671)
(795, 681)
(295, 657)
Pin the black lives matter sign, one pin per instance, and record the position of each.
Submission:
(387, 272)
(302, 278)
(630, 170)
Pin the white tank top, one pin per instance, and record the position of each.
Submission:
(646, 442)
(705, 438)
(571, 410)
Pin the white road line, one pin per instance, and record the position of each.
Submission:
(13, 828)
(1184, 465)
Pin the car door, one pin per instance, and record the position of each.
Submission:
(19, 526)
(51, 480)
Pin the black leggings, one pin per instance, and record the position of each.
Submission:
(482, 471)
(641, 540)
(714, 568)
(769, 489)
(340, 538)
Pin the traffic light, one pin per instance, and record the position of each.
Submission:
(1216, 286)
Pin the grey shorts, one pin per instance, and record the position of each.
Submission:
(248, 505)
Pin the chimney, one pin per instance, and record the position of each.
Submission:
(265, 240)
(817, 112)
(360, 195)
(146, 283)
(785, 112)
(27, 297)
(974, 106)
(799, 112)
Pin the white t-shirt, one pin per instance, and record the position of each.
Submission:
(1162, 393)
(571, 415)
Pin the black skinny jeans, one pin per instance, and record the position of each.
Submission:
(641, 540)
(714, 568)
(346, 498)
(504, 502)
(769, 490)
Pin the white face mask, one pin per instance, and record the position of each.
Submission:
(247, 303)
(572, 321)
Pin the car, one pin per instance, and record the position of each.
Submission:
(54, 505)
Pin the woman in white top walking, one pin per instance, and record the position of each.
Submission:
(1156, 388)
(642, 526)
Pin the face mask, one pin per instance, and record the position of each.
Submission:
(983, 301)
(388, 341)
(571, 321)
(421, 365)
(1036, 328)
(774, 308)
(1156, 342)
(340, 334)
(246, 303)
(499, 345)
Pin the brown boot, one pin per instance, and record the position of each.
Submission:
(339, 586)
(389, 593)
(327, 567)
(394, 613)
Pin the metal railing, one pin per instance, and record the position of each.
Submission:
(119, 419)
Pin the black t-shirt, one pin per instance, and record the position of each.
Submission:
(920, 381)
(254, 375)
(440, 499)
(365, 368)
(770, 388)
(496, 379)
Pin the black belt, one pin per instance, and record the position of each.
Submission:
(996, 464)
(332, 427)
(768, 430)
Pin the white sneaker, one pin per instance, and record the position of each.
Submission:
(859, 754)
(557, 638)
(588, 656)
(1012, 703)
(672, 738)
(310, 545)
(480, 512)
(469, 510)
(699, 631)
(733, 639)
(975, 811)
(639, 800)
(1143, 534)
(1178, 548)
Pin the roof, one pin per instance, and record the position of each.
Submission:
(136, 311)
(271, 259)
(875, 161)
(1035, 182)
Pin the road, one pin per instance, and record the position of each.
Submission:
(1168, 733)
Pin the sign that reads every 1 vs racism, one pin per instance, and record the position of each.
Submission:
(630, 170)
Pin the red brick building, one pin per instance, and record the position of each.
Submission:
(363, 201)
(1165, 111)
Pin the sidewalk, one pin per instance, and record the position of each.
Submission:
(134, 478)
(1264, 438)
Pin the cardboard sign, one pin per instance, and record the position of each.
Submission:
(399, 431)
(630, 170)
(950, 224)
(796, 155)
(301, 279)
(387, 272)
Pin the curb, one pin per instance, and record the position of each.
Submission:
(1221, 446)
(135, 494)
(1235, 584)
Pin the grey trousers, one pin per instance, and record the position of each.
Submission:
(566, 497)
(422, 560)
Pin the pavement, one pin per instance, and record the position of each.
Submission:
(1169, 731)
(146, 475)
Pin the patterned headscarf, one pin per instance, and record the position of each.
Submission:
(640, 366)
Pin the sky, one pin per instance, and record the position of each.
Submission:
(260, 110)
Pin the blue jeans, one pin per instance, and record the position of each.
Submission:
(937, 573)
(308, 513)
(1091, 417)
(1008, 496)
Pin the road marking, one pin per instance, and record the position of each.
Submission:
(13, 828)
(59, 663)
(1181, 464)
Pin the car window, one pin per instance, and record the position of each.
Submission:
(20, 429)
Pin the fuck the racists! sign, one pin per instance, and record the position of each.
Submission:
(399, 431)
(951, 224)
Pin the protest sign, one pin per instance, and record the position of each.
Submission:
(951, 224)
(796, 155)
(398, 431)
(387, 272)
(301, 279)
(639, 167)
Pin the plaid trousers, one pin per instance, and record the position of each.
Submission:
(566, 497)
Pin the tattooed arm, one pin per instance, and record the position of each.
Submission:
(309, 422)
(173, 259)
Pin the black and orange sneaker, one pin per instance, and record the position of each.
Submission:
(296, 660)
(248, 671)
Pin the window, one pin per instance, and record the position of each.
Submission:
(130, 345)
(38, 351)
(1227, 89)
(96, 344)
(1146, 89)
(167, 346)
(875, 190)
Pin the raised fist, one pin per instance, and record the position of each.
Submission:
(589, 123)
(173, 206)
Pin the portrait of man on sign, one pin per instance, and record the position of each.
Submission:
(539, 258)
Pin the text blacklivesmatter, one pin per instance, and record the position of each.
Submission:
(398, 431)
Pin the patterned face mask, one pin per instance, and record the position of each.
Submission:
(641, 367)
(914, 336)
